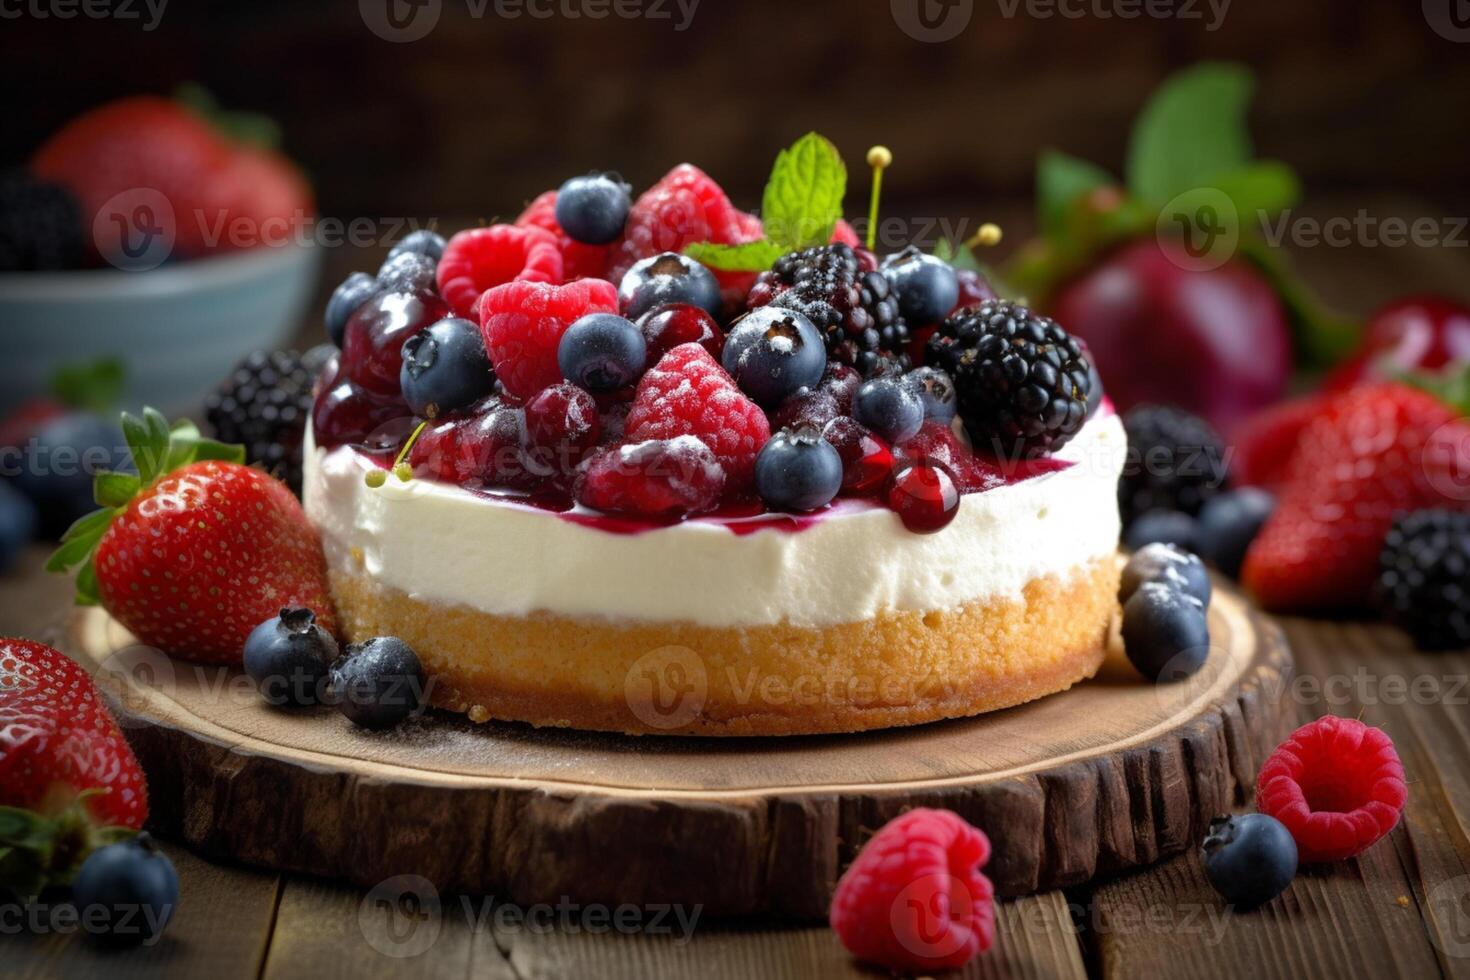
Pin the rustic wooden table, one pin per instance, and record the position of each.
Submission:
(1400, 910)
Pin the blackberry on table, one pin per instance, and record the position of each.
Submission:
(1022, 381)
(263, 405)
(1176, 461)
(41, 226)
(850, 302)
(1424, 578)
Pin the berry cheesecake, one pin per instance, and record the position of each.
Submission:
(649, 467)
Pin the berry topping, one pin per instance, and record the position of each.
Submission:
(481, 258)
(1175, 462)
(1424, 578)
(889, 407)
(666, 327)
(408, 272)
(372, 349)
(1162, 526)
(684, 207)
(422, 242)
(925, 286)
(346, 415)
(687, 393)
(263, 405)
(1336, 784)
(936, 390)
(523, 323)
(915, 899)
(1022, 380)
(127, 892)
(562, 426)
(851, 304)
(288, 656)
(1169, 564)
(1249, 859)
(602, 352)
(1165, 633)
(482, 450)
(867, 462)
(668, 278)
(353, 291)
(379, 683)
(798, 471)
(593, 209)
(445, 368)
(773, 353)
(924, 497)
(660, 478)
(1229, 522)
(937, 445)
(579, 260)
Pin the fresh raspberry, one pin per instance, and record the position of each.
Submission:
(665, 478)
(479, 258)
(1336, 784)
(843, 234)
(915, 898)
(685, 207)
(688, 393)
(579, 260)
(523, 323)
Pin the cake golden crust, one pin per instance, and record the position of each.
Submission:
(900, 668)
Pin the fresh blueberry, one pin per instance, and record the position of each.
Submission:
(379, 683)
(889, 407)
(668, 278)
(18, 524)
(408, 272)
(926, 286)
(56, 466)
(594, 208)
(1249, 859)
(1167, 563)
(126, 892)
(798, 470)
(290, 658)
(1229, 522)
(773, 353)
(354, 291)
(602, 352)
(1168, 526)
(1165, 632)
(935, 390)
(424, 242)
(445, 368)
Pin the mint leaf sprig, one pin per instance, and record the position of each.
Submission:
(801, 205)
(157, 449)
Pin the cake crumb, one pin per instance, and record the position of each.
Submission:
(479, 714)
(357, 556)
(1402, 901)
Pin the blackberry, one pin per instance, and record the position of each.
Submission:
(1175, 461)
(264, 405)
(1022, 381)
(41, 225)
(1424, 578)
(850, 302)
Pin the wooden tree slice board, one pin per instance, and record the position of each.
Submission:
(1113, 774)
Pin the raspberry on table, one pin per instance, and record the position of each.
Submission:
(1338, 786)
(667, 478)
(479, 258)
(579, 260)
(688, 393)
(523, 323)
(915, 898)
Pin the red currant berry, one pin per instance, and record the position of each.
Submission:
(562, 426)
(924, 497)
(345, 415)
(666, 327)
(867, 461)
(372, 346)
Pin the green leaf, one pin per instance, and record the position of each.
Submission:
(956, 254)
(1263, 187)
(87, 593)
(754, 256)
(250, 128)
(79, 540)
(148, 439)
(115, 489)
(803, 198)
(1321, 336)
(1451, 386)
(94, 387)
(1193, 128)
(1061, 180)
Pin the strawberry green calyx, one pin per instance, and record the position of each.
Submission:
(1451, 386)
(157, 449)
(40, 850)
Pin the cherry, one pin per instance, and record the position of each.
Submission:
(372, 346)
(924, 497)
(1419, 333)
(666, 327)
(346, 415)
(866, 459)
(562, 426)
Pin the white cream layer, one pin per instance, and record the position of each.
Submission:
(442, 544)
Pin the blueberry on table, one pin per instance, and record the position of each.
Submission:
(798, 471)
(668, 278)
(379, 683)
(289, 657)
(1229, 522)
(424, 242)
(1249, 859)
(593, 209)
(57, 465)
(889, 407)
(926, 286)
(1168, 563)
(445, 368)
(353, 291)
(773, 353)
(126, 893)
(602, 352)
(1165, 632)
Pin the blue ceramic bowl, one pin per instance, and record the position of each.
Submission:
(178, 329)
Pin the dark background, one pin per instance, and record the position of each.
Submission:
(1365, 100)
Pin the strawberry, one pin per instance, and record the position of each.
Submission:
(1369, 454)
(68, 781)
(1266, 442)
(196, 550)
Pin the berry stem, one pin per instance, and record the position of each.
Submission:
(988, 234)
(879, 158)
(376, 478)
